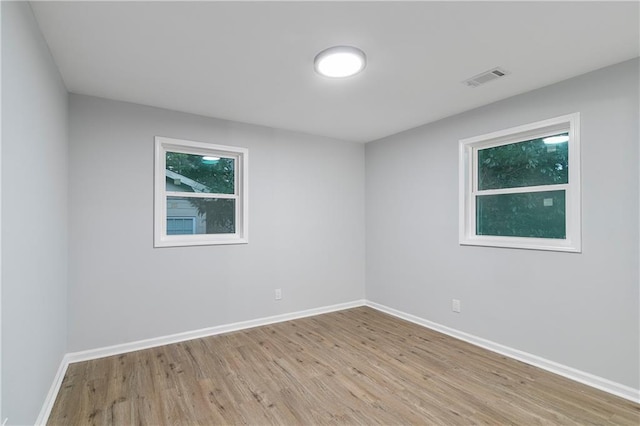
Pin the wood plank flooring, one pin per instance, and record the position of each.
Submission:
(357, 366)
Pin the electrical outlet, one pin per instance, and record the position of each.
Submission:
(278, 294)
(455, 305)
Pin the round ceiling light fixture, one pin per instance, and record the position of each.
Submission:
(340, 61)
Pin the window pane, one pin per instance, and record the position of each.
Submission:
(543, 161)
(212, 215)
(529, 214)
(197, 173)
(181, 225)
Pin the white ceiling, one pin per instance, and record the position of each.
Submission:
(253, 61)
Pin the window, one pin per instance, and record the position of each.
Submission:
(520, 187)
(200, 193)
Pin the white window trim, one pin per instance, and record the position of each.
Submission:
(241, 195)
(468, 149)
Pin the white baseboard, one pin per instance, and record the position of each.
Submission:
(205, 332)
(588, 379)
(53, 392)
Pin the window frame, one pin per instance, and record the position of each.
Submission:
(240, 195)
(468, 185)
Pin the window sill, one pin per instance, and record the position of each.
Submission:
(191, 242)
(523, 243)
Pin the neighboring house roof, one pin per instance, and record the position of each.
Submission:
(196, 186)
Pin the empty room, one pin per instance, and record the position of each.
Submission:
(330, 212)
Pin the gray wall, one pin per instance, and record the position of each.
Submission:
(580, 310)
(34, 216)
(306, 228)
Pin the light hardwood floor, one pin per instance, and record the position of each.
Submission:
(357, 366)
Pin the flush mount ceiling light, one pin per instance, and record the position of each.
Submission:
(340, 61)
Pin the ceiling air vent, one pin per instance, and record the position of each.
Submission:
(486, 77)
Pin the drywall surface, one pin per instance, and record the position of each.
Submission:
(34, 216)
(306, 228)
(580, 310)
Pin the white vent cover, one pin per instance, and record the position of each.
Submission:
(485, 77)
